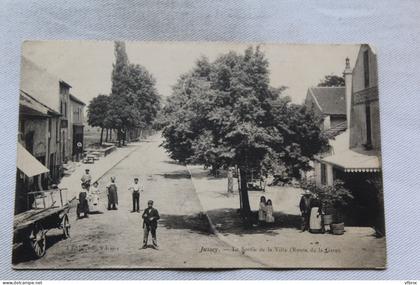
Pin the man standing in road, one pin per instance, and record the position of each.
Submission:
(86, 180)
(135, 189)
(150, 218)
(305, 209)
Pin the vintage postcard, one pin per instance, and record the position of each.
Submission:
(198, 155)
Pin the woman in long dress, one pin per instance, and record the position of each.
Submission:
(261, 210)
(112, 195)
(269, 219)
(315, 219)
(83, 205)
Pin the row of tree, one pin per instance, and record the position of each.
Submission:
(133, 103)
(225, 113)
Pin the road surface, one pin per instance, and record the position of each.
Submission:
(113, 239)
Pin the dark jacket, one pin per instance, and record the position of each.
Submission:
(305, 204)
(150, 217)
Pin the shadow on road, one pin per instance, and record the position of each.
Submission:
(23, 254)
(228, 221)
(173, 162)
(197, 223)
(179, 174)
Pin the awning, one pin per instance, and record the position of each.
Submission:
(29, 164)
(352, 161)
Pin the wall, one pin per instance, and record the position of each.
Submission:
(336, 120)
(76, 130)
(362, 96)
(65, 130)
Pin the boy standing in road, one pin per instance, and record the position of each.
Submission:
(150, 219)
(135, 189)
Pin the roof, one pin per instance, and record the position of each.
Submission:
(355, 161)
(330, 100)
(29, 164)
(29, 106)
(39, 84)
(65, 83)
(336, 130)
(77, 100)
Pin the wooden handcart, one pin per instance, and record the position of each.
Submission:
(31, 226)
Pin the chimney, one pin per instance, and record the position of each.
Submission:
(348, 73)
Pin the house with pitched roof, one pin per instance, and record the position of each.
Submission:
(358, 162)
(45, 140)
(329, 104)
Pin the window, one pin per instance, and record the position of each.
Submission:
(368, 144)
(323, 174)
(366, 67)
(65, 109)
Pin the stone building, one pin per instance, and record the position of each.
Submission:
(358, 162)
(43, 142)
(77, 126)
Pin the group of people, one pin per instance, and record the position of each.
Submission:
(265, 211)
(311, 211)
(150, 214)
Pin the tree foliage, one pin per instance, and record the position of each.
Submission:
(134, 98)
(97, 110)
(332, 81)
(97, 113)
(225, 113)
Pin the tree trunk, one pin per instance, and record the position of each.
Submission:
(123, 136)
(243, 193)
(102, 135)
(106, 134)
(119, 137)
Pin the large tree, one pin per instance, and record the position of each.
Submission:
(97, 113)
(225, 113)
(134, 98)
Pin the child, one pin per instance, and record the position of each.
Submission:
(94, 197)
(269, 212)
(261, 211)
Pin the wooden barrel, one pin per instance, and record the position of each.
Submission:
(337, 229)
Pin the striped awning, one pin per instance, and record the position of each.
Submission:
(353, 161)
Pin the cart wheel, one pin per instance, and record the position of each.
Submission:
(38, 240)
(65, 224)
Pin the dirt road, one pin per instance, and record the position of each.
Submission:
(112, 239)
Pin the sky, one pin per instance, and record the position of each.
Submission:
(87, 65)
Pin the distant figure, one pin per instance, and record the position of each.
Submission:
(86, 180)
(112, 194)
(230, 180)
(305, 209)
(261, 210)
(135, 189)
(269, 212)
(150, 218)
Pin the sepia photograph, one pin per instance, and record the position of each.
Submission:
(198, 155)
